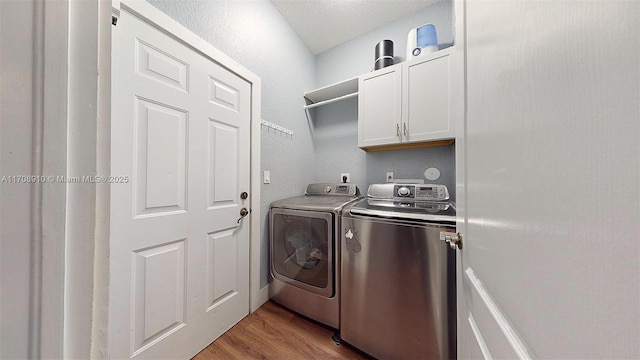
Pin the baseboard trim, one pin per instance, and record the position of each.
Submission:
(263, 297)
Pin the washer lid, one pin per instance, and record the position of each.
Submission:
(441, 212)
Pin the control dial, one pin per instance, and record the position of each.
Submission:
(327, 189)
(404, 191)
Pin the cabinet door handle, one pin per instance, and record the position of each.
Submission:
(397, 129)
(404, 125)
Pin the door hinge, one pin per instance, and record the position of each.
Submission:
(453, 239)
(115, 12)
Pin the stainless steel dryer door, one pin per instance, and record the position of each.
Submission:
(302, 249)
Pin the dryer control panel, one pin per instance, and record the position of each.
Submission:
(332, 189)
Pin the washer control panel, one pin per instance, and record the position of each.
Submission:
(417, 192)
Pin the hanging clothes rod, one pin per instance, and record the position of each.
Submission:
(330, 101)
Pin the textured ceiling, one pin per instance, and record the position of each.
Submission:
(323, 24)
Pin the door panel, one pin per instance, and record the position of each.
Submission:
(490, 324)
(223, 95)
(223, 168)
(159, 292)
(179, 257)
(160, 66)
(551, 130)
(222, 276)
(160, 169)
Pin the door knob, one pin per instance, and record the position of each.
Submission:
(243, 212)
(244, 195)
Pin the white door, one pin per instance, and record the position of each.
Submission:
(179, 259)
(550, 260)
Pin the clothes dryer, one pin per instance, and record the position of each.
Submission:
(305, 250)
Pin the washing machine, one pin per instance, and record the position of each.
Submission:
(398, 297)
(305, 250)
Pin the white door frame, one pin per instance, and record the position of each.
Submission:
(460, 161)
(64, 234)
(51, 106)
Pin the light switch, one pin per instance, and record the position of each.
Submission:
(267, 177)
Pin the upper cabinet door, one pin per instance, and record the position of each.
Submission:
(380, 107)
(417, 101)
(427, 105)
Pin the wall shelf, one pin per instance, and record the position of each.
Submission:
(330, 94)
(329, 101)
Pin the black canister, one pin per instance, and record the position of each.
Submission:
(384, 54)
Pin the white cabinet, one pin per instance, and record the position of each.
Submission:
(426, 90)
(380, 107)
(408, 103)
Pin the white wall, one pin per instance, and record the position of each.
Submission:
(335, 137)
(357, 56)
(16, 62)
(255, 35)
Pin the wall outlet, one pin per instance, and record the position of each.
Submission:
(343, 176)
(389, 177)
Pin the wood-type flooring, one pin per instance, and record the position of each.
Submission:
(274, 332)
